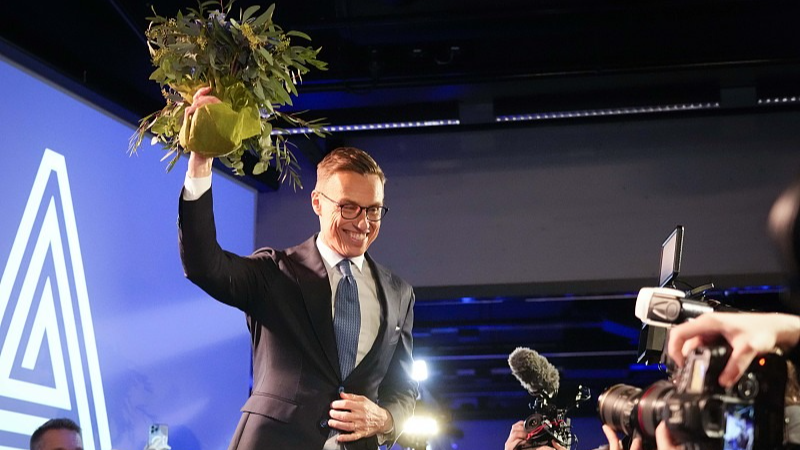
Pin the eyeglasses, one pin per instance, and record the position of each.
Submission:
(352, 211)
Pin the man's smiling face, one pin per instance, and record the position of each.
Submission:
(348, 237)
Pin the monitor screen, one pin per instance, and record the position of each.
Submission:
(671, 257)
(739, 427)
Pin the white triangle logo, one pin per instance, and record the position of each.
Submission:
(44, 280)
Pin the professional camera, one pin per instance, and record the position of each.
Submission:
(699, 412)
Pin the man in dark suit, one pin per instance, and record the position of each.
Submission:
(303, 397)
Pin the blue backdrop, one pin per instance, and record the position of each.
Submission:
(97, 321)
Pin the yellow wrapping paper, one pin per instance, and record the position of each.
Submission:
(216, 129)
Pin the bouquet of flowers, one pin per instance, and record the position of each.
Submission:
(250, 65)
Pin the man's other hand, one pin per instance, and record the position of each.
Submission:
(359, 416)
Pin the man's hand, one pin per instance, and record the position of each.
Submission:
(199, 166)
(360, 416)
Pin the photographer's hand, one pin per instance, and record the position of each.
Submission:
(516, 436)
(748, 334)
(614, 442)
(664, 440)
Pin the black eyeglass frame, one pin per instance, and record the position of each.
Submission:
(366, 209)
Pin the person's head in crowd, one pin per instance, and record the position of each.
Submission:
(348, 199)
(784, 229)
(57, 434)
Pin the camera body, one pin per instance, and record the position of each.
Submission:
(546, 425)
(549, 425)
(699, 412)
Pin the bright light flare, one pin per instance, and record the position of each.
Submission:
(421, 426)
(419, 371)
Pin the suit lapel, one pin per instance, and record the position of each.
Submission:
(388, 298)
(312, 278)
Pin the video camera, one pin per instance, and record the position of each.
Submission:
(699, 413)
(548, 424)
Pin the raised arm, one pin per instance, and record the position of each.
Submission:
(229, 278)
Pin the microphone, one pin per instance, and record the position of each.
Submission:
(666, 307)
(534, 372)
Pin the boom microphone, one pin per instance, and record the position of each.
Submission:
(665, 307)
(534, 372)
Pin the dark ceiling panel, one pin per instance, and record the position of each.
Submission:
(383, 44)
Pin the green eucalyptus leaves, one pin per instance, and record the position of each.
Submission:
(250, 65)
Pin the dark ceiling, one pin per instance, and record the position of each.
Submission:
(394, 60)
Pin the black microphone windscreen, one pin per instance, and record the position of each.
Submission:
(533, 371)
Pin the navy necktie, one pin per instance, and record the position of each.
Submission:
(347, 319)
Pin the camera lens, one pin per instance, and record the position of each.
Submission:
(539, 432)
(616, 406)
(627, 408)
(651, 406)
(532, 422)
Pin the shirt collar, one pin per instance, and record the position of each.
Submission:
(332, 258)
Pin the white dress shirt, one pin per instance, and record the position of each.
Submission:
(367, 295)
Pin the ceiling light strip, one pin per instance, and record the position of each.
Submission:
(372, 126)
(778, 100)
(608, 112)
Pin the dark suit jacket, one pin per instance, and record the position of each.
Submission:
(286, 296)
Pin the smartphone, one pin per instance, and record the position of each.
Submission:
(159, 433)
